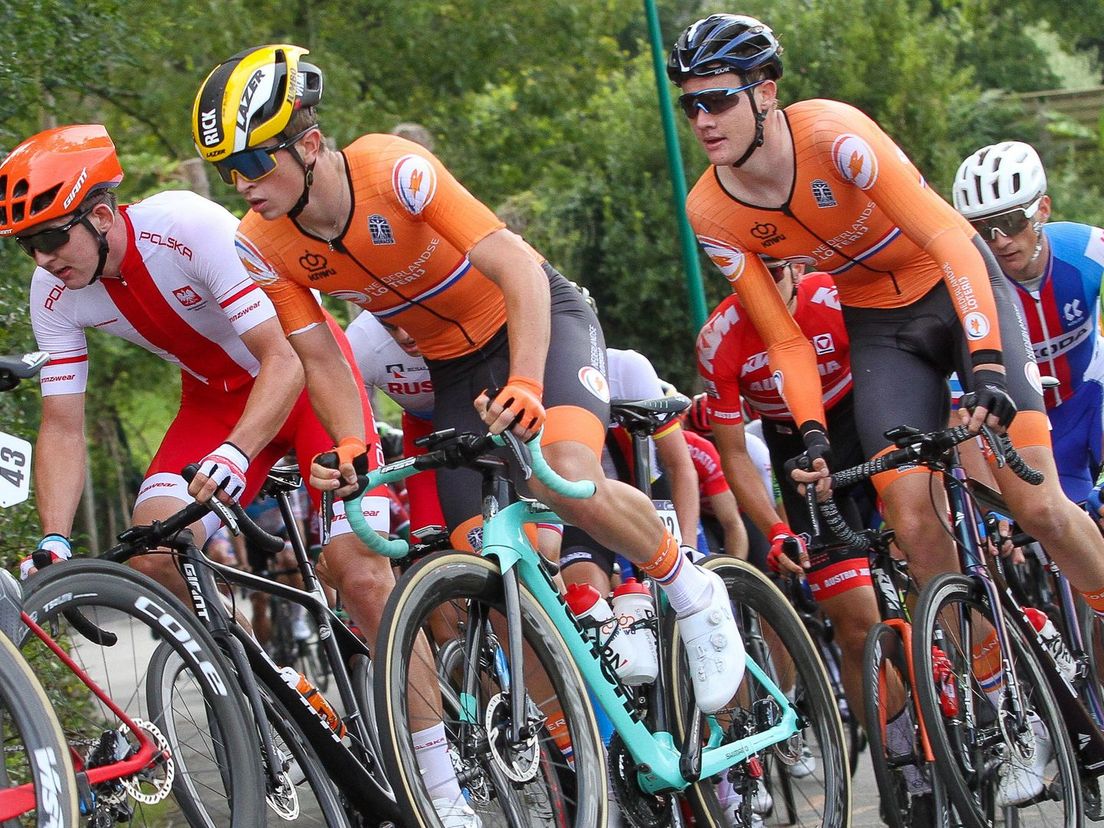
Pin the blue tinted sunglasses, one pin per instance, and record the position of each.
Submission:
(712, 101)
(254, 164)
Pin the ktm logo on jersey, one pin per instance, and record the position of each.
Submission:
(187, 296)
(754, 363)
(826, 296)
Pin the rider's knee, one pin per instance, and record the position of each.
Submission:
(160, 568)
(1048, 520)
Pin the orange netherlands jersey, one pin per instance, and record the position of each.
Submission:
(857, 209)
(402, 256)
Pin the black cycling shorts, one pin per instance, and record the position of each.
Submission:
(901, 358)
(576, 342)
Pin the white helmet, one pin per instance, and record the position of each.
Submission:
(998, 178)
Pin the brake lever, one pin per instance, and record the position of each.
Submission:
(996, 444)
(521, 453)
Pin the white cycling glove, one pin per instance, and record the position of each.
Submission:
(57, 546)
(227, 466)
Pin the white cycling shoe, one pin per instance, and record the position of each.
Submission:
(456, 814)
(1022, 780)
(714, 649)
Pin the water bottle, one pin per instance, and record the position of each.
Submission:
(632, 602)
(944, 680)
(315, 698)
(600, 624)
(1052, 640)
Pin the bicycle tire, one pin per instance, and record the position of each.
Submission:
(574, 797)
(751, 592)
(141, 614)
(965, 760)
(165, 668)
(34, 747)
(885, 651)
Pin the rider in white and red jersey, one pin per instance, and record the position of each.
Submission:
(162, 273)
(732, 360)
(389, 359)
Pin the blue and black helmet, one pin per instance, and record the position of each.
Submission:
(725, 43)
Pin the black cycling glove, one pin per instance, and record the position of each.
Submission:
(991, 394)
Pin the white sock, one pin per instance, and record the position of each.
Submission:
(688, 588)
(431, 748)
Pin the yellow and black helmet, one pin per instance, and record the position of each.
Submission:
(251, 98)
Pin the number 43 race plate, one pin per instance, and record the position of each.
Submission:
(15, 470)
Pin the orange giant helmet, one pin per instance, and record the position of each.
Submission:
(51, 173)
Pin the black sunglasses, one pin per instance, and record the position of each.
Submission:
(1007, 224)
(254, 164)
(47, 241)
(712, 101)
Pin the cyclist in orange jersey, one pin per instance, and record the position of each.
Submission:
(383, 224)
(921, 294)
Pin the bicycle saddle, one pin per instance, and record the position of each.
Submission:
(282, 479)
(18, 367)
(647, 415)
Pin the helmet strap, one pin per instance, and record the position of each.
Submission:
(101, 239)
(308, 182)
(757, 141)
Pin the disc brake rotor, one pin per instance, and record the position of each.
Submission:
(521, 761)
(139, 786)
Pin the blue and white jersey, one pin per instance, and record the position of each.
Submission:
(1063, 315)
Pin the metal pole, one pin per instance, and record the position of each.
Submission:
(687, 241)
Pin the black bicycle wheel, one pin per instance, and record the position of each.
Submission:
(885, 664)
(529, 782)
(35, 752)
(981, 741)
(822, 795)
(113, 620)
(302, 793)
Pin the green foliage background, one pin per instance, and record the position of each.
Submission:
(547, 111)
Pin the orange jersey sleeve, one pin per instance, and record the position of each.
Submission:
(861, 155)
(791, 355)
(296, 307)
(402, 255)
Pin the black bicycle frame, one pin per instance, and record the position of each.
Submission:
(1088, 741)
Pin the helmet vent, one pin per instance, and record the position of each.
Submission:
(17, 211)
(20, 189)
(3, 186)
(3, 215)
(43, 200)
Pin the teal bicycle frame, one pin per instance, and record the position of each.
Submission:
(504, 539)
